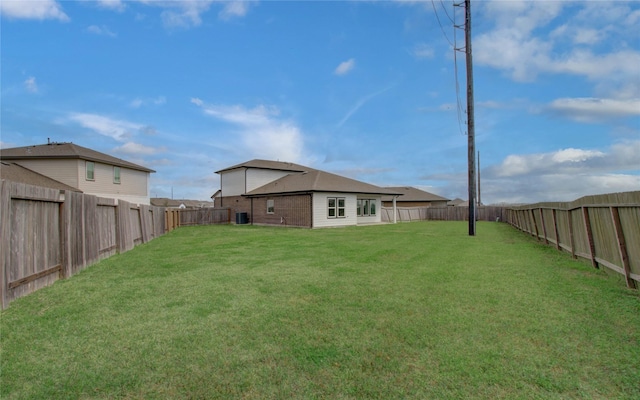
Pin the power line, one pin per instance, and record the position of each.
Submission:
(439, 23)
(459, 109)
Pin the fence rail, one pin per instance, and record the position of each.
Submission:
(457, 213)
(604, 229)
(47, 234)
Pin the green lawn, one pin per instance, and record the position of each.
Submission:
(415, 310)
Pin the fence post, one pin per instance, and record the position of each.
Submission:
(587, 227)
(5, 241)
(615, 215)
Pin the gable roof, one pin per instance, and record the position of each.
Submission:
(17, 173)
(317, 181)
(412, 194)
(65, 151)
(266, 164)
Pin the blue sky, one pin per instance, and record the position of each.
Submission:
(366, 90)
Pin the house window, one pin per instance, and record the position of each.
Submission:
(116, 175)
(270, 206)
(366, 207)
(336, 207)
(89, 168)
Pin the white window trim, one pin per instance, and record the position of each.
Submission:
(366, 211)
(119, 175)
(271, 205)
(336, 208)
(93, 170)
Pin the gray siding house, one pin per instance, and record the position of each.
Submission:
(86, 170)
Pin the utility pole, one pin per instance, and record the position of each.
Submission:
(470, 122)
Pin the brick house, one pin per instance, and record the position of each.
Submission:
(287, 194)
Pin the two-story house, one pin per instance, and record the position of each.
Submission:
(87, 170)
(282, 193)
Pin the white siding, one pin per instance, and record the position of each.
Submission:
(232, 183)
(134, 184)
(260, 177)
(320, 213)
(65, 171)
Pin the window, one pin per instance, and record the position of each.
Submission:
(366, 207)
(270, 206)
(116, 175)
(336, 207)
(89, 167)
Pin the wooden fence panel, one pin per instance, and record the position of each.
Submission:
(604, 229)
(630, 221)
(604, 237)
(136, 224)
(580, 239)
(106, 225)
(564, 229)
(31, 239)
(204, 216)
(46, 234)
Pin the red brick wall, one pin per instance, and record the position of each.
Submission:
(236, 204)
(293, 210)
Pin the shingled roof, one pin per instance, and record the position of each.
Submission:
(317, 181)
(412, 194)
(266, 164)
(65, 151)
(17, 173)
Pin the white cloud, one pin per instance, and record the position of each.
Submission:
(594, 109)
(561, 175)
(31, 85)
(139, 102)
(40, 10)
(116, 5)
(262, 132)
(519, 45)
(117, 129)
(624, 156)
(138, 149)
(101, 30)
(188, 13)
(345, 67)
(422, 51)
(233, 9)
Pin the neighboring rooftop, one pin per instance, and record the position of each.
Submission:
(412, 194)
(54, 150)
(17, 173)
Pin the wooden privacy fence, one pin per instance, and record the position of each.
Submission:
(449, 213)
(48, 234)
(604, 229)
(205, 216)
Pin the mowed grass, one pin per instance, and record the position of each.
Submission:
(414, 310)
